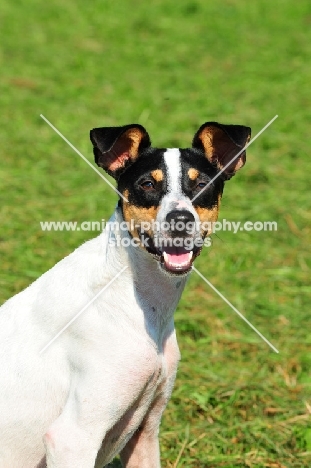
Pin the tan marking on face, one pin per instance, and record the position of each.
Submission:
(193, 174)
(157, 175)
(208, 216)
(139, 215)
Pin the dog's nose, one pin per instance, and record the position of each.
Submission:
(180, 221)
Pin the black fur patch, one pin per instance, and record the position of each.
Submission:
(152, 159)
(148, 161)
(192, 158)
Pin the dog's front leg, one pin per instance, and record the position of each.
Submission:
(142, 450)
(69, 446)
(74, 438)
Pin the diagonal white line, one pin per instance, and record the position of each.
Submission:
(82, 310)
(236, 156)
(83, 157)
(235, 310)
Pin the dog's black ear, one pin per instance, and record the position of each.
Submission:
(221, 143)
(115, 148)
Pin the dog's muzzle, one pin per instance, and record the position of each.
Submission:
(177, 243)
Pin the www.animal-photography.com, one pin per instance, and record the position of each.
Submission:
(154, 238)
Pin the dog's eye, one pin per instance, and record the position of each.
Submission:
(201, 185)
(147, 185)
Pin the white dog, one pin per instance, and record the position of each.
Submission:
(100, 388)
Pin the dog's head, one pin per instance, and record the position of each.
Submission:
(173, 195)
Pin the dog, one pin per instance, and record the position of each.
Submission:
(100, 388)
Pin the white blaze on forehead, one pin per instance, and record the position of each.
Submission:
(173, 169)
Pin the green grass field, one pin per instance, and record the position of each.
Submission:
(171, 66)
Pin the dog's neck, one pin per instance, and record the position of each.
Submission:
(156, 290)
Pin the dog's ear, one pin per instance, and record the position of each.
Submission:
(115, 148)
(221, 143)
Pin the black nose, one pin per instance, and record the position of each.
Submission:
(181, 222)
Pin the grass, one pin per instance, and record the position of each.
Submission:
(171, 66)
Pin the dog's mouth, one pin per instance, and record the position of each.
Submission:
(173, 259)
(177, 259)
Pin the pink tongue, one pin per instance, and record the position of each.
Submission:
(178, 259)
